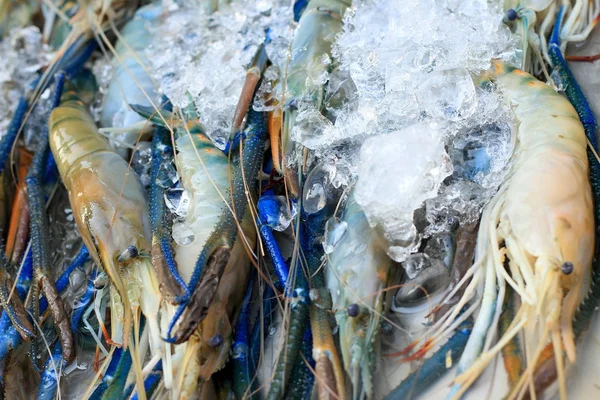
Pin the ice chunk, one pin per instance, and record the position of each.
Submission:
(335, 229)
(183, 234)
(318, 189)
(178, 202)
(312, 129)
(211, 53)
(397, 173)
(167, 175)
(449, 95)
(141, 162)
(23, 54)
(276, 212)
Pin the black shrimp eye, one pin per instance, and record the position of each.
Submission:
(216, 340)
(567, 268)
(511, 14)
(129, 253)
(133, 251)
(352, 310)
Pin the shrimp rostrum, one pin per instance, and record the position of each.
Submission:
(536, 238)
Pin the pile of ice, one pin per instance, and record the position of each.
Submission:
(23, 54)
(201, 58)
(427, 138)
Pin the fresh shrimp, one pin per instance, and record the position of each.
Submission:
(533, 20)
(357, 271)
(541, 224)
(130, 60)
(311, 50)
(111, 212)
(216, 262)
(209, 347)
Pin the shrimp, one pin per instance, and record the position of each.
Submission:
(533, 20)
(311, 48)
(131, 82)
(356, 276)
(111, 211)
(199, 162)
(541, 225)
(215, 262)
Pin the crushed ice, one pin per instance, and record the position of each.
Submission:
(402, 116)
(415, 116)
(202, 57)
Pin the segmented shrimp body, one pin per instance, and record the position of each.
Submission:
(111, 212)
(536, 235)
(357, 272)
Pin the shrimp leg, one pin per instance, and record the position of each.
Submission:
(40, 244)
(49, 379)
(171, 285)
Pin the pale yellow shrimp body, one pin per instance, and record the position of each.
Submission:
(540, 222)
(111, 210)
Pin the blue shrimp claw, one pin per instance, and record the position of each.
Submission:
(435, 366)
(171, 285)
(56, 361)
(40, 242)
(268, 211)
(244, 383)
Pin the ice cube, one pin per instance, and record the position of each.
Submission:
(183, 234)
(318, 190)
(449, 95)
(397, 173)
(335, 229)
(177, 201)
(276, 211)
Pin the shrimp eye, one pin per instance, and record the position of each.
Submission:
(129, 253)
(216, 340)
(511, 14)
(100, 282)
(352, 310)
(293, 104)
(567, 268)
